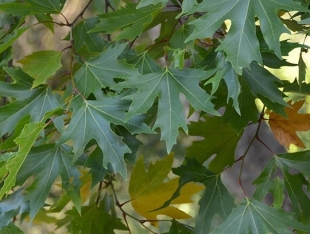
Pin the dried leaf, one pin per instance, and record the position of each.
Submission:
(285, 129)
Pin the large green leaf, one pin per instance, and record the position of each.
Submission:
(167, 86)
(133, 21)
(241, 44)
(92, 120)
(25, 141)
(47, 162)
(298, 160)
(256, 217)
(99, 72)
(41, 65)
(219, 138)
(33, 7)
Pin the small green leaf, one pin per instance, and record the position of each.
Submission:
(256, 217)
(41, 65)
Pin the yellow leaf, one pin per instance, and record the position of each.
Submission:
(148, 191)
(285, 129)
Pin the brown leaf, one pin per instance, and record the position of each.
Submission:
(285, 129)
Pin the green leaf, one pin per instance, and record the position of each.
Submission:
(262, 82)
(301, 70)
(25, 141)
(95, 220)
(215, 200)
(263, 183)
(11, 229)
(256, 217)
(33, 7)
(41, 65)
(298, 160)
(93, 41)
(36, 104)
(167, 86)
(230, 77)
(98, 172)
(8, 40)
(92, 119)
(133, 21)
(99, 72)
(143, 62)
(219, 138)
(248, 110)
(47, 162)
(294, 185)
(241, 44)
(272, 61)
(144, 3)
(187, 5)
(295, 87)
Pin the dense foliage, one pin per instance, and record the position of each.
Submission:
(73, 118)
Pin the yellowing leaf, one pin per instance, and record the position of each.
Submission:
(148, 191)
(285, 129)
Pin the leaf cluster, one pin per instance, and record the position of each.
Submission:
(74, 117)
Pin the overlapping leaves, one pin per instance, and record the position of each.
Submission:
(241, 44)
(167, 85)
(92, 119)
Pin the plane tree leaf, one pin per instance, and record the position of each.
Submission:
(41, 65)
(99, 72)
(33, 7)
(91, 119)
(252, 216)
(263, 84)
(88, 223)
(149, 192)
(216, 198)
(40, 101)
(25, 141)
(50, 162)
(92, 40)
(132, 20)
(241, 44)
(285, 129)
(219, 138)
(292, 183)
(167, 86)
